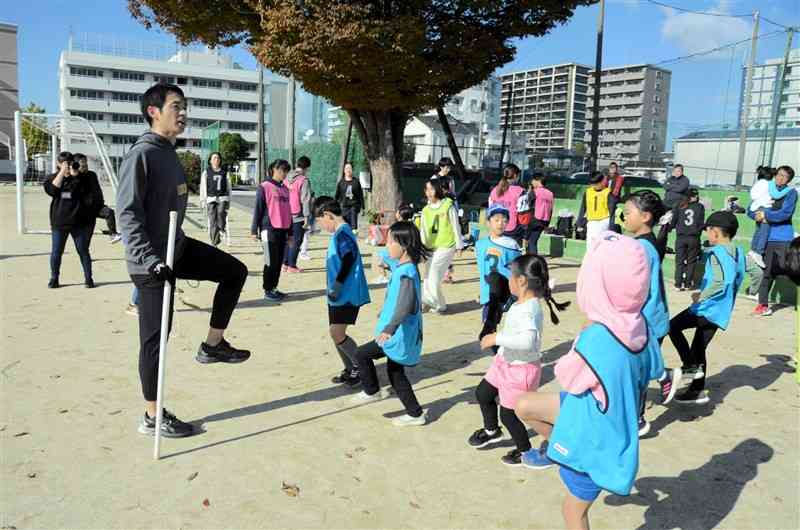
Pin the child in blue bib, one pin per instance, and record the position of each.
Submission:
(398, 334)
(494, 254)
(347, 286)
(713, 305)
(590, 429)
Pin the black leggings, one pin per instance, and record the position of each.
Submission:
(486, 395)
(274, 248)
(365, 359)
(199, 261)
(696, 354)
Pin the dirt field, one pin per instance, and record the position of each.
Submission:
(71, 456)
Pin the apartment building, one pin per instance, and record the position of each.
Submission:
(634, 106)
(764, 103)
(547, 106)
(9, 88)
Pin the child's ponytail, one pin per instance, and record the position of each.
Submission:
(534, 269)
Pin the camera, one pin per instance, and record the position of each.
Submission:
(75, 165)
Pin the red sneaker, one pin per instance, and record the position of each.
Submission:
(761, 309)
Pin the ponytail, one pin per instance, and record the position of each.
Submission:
(510, 172)
(534, 269)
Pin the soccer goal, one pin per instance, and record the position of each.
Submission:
(38, 140)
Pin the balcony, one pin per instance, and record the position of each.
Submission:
(619, 89)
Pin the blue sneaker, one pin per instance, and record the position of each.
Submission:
(536, 458)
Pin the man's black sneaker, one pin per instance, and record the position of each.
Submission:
(480, 437)
(347, 377)
(512, 458)
(89, 284)
(692, 372)
(280, 294)
(171, 427)
(221, 353)
(53, 283)
(692, 398)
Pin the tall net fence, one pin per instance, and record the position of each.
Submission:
(42, 137)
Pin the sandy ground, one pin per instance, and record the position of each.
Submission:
(71, 456)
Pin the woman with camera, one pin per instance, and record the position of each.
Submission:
(69, 216)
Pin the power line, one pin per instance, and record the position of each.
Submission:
(709, 13)
(719, 48)
(765, 19)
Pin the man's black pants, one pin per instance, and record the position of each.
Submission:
(199, 261)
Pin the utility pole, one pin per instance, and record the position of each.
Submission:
(292, 107)
(509, 107)
(260, 166)
(778, 94)
(598, 67)
(745, 110)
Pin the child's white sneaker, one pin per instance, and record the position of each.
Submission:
(362, 397)
(407, 421)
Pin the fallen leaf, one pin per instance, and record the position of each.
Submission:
(55, 376)
(63, 411)
(365, 512)
(31, 475)
(348, 455)
(116, 331)
(290, 489)
(356, 478)
(192, 476)
(206, 503)
(23, 433)
(360, 449)
(105, 447)
(415, 505)
(114, 412)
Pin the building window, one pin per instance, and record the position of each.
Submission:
(656, 110)
(166, 79)
(238, 105)
(85, 72)
(652, 148)
(244, 87)
(126, 96)
(241, 126)
(653, 135)
(123, 139)
(127, 118)
(183, 81)
(657, 98)
(122, 75)
(91, 116)
(86, 94)
(207, 83)
(658, 86)
(202, 123)
(659, 74)
(207, 103)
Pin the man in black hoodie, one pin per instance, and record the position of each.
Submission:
(151, 184)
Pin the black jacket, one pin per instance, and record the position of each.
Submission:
(357, 201)
(94, 201)
(676, 189)
(68, 208)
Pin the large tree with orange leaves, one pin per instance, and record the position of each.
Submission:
(381, 61)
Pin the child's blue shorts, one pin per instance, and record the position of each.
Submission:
(579, 484)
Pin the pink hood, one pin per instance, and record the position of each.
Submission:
(613, 284)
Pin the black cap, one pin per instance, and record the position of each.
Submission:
(723, 219)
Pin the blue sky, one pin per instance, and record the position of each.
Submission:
(705, 90)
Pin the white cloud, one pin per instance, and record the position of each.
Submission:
(693, 33)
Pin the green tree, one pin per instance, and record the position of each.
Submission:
(191, 168)
(36, 138)
(233, 148)
(380, 61)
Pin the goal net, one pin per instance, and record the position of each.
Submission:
(39, 139)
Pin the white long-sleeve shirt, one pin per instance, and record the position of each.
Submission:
(520, 339)
(453, 215)
(759, 195)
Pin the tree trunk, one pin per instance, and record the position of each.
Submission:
(381, 132)
(451, 143)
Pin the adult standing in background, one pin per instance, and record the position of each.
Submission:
(71, 215)
(350, 196)
(615, 182)
(215, 195)
(300, 204)
(97, 207)
(676, 191)
(781, 234)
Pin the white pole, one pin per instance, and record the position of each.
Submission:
(745, 110)
(19, 167)
(53, 153)
(162, 348)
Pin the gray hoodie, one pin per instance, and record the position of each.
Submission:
(151, 183)
(305, 195)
